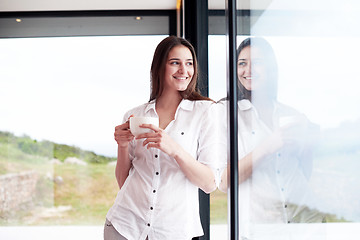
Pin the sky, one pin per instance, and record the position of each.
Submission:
(73, 90)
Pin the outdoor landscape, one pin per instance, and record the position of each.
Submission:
(73, 186)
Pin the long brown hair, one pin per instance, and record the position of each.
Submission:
(158, 69)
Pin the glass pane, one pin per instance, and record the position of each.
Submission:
(299, 121)
(217, 91)
(61, 99)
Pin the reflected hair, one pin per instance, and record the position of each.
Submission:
(158, 69)
(270, 63)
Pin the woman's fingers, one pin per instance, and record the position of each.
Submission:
(124, 126)
(157, 139)
(151, 140)
(156, 132)
(151, 126)
(129, 118)
(123, 138)
(122, 134)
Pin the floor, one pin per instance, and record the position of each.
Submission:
(217, 232)
(329, 231)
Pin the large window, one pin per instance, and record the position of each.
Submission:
(62, 98)
(66, 81)
(309, 186)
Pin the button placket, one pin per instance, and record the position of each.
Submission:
(157, 165)
(155, 185)
(279, 176)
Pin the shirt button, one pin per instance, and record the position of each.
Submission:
(154, 191)
(157, 173)
(156, 156)
(282, 189)
(285, 206)
(148, 224)
(289, 222)
(151, 208)
(182, 133)
(253, 132)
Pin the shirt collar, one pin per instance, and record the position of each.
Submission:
(244, 105)
(150, 105)
(185, 104)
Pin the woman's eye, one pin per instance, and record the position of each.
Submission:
(174, 63)
(242, 64)
(189, 63)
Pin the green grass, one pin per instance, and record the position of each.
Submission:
(14, 145)
(87, 191)
(218, 207)
(90, 191)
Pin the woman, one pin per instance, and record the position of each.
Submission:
(275, 159)
(159, 173)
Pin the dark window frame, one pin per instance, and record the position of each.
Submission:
(58, 24)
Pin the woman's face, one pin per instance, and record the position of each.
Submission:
(179, 69)
(251, 68)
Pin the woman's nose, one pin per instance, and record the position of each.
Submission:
(182, 68)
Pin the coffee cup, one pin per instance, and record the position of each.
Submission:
(135, 123)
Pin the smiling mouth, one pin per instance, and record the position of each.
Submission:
(181, 78)
(247, 78)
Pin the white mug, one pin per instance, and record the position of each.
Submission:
(135, 123)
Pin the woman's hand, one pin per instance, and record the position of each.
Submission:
(122, 134)
(159, 139)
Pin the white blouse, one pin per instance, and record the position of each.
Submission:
(157, 200)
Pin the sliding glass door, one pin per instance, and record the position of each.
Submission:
(298, 120)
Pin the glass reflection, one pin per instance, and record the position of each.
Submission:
(311, 175)
(275, 152)
(276, 145)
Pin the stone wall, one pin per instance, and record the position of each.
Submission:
(17, 189)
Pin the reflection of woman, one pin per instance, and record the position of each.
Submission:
(274, 151)
(159, 173)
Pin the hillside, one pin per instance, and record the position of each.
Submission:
(47, 149)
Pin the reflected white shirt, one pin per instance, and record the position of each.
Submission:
(157, 200)
(277, 191)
